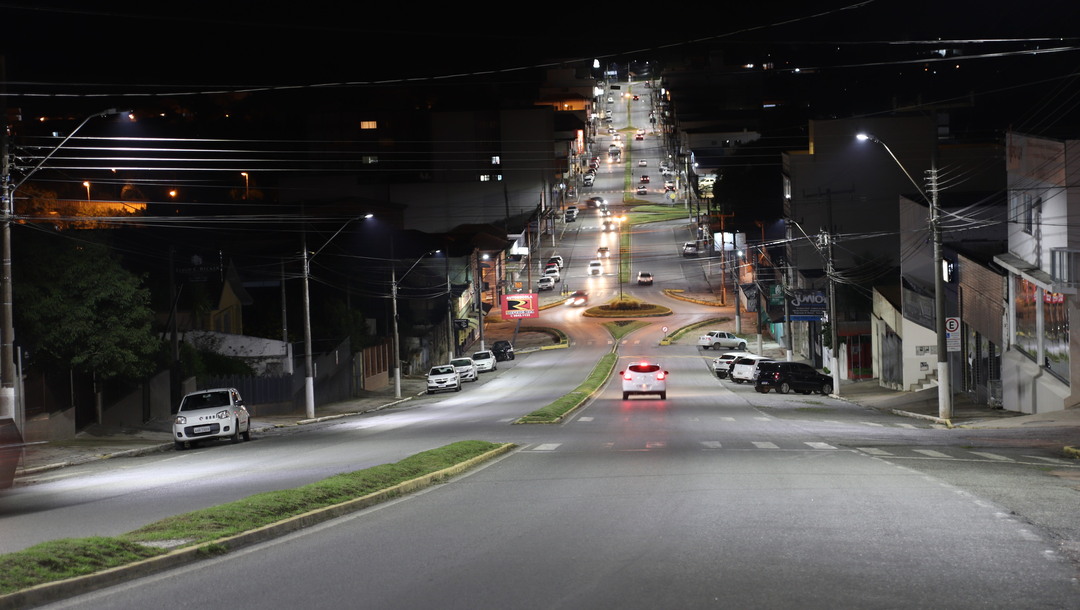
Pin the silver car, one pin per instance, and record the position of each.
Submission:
(443, 377)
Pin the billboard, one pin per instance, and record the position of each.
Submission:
(517, 306)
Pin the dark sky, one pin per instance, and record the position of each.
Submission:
(85, 46)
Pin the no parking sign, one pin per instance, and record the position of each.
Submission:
(952, 334)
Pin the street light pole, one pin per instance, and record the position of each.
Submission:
(479, 297)
(945, 409)
(7, 212)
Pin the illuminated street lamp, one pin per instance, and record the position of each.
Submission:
(87, 185)
(247, 185)
(944, 381)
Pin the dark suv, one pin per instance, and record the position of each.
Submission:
(785, 377)
(502, 350)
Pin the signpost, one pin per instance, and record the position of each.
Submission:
(952, 334)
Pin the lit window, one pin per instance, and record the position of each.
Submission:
(485, 177)
(496, 160)
(370, 159)
(369, 125)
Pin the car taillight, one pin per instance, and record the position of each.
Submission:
(627, 376)
(660, 376)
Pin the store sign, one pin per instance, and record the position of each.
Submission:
(808, 305)
(517, 306)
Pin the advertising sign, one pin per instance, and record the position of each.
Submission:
(808, 305)
(517, 306)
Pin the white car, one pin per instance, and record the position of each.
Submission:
(644, 378)
(466, 368)
(545, 283)
(718, 338)
(722, 365)
(596, 268)
(642, 163)
(443, 377)
(745, 368)
(553, 273)
(485, 361)
(214, 413)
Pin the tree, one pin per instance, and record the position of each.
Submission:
(77, 308)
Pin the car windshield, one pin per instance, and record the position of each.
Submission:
(205, 400)
(442, 370)
(644, 368)
(461, 362)
(481, 356)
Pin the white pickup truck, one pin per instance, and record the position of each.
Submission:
(721, 339)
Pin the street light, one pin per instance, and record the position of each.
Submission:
(7, 211)
(944, 381)
(479, 295)
(247, 185)
(309, 367)
(87, 185)
(394, 281)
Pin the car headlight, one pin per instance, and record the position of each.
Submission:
(223, 414)
(180, 420)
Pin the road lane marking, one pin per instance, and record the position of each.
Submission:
(711, 444)
(992, 456)
(764, 445)
(547, 447)
(873, 451)
(816, 445)
(932, 453)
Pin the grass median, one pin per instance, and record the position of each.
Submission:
(68, 558)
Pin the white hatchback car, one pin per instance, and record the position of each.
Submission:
(644, 378)
(214, 413)
(466, 368)
(485, 361)
(745, 368)
(596, 268)
(722, 365)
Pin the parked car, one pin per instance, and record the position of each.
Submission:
(690, 249)
(485, 361)
(644, 378)
(466, 368)
(555, 258)
(721, 365)
(553, 273)
(786, 377)
(503, 350)
(644, 278)
(545, 283)
(596, 268)
(745, 368)
(586, 180)
(443, 377)
(718, 338)
(213, 413)
(578, 298)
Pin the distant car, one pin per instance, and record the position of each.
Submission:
(545, 283)
(610, 100)
(443, 377)
(642, 189)
(644, 278)
(715, 339)
(578, 298)
(690, 249)
(642, 163)
(644, 178)
(485, 361)
(603, 252)
(786, 377)
(596, 268)
(555, 258)
(722, 365)
(644, 378)
(503, 350)
(609, 225)
(596, 202)
(466, 368)
(639, 137)
(604, 212)
(587, 180)
(213, 413)
(636, 98)
(669, 185)
(745, 368)
(553, 273)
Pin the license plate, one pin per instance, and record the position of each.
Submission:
(201, 429)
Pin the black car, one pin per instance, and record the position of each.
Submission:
(502, 350)
(785, 377)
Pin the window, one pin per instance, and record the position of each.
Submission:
(1056, 333)
(369, 124)
(1024, 305)
(496, 160)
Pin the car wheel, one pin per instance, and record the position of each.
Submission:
(826, 388)
(179, 445)
(236, 431)
(247, 433)
(663, 395)
(736, 380)
(494, 368)
(431, 391)
(458, 388)
(625, 395)
(761, 389)
(742, 347)
(784, 387)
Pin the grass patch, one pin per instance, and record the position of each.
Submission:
(68, 558)
(553, 412)
(621, 328)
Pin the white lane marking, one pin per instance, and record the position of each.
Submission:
(992, 456)
(763, 418)
(932, 453)
(764, 445)
(1047, 459)
(873, 451)
(870, 423)
(727, 419)
(815, 445)
(909, 426)
(547, 447)
(584, 419)
(711, 444)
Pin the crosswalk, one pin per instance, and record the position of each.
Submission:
(947, 453)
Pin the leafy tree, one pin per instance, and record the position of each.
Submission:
(77, 308)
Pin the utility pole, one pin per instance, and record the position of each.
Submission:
(945, 410)
(834, 333)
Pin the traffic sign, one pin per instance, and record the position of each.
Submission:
(952, 334)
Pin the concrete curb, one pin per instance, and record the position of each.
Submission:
(55, 591)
